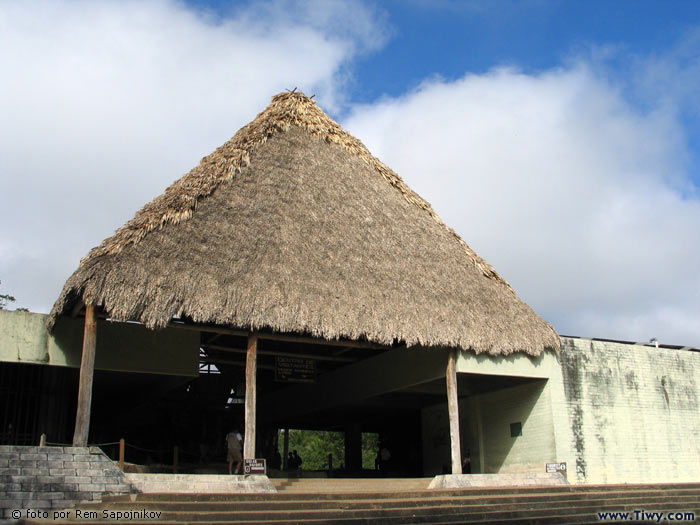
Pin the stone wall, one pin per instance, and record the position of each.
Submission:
(43, 478)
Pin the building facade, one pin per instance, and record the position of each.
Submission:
(613, 412)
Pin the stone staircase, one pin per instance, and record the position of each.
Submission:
(42, 479)
(520, 505)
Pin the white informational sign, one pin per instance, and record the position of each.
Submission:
(556, 467)
(254, 466)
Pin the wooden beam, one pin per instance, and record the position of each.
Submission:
(76, 308)
(87, 368)
(239, 364)
(284, 354)
(453, 411)
(279, 337)
(250, 397)
(211, 329)
(318, 341)
(362, 380)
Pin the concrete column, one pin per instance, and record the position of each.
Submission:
(285, 450)
(353, 447)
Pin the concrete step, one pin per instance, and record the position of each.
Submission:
(578, 504)
(332, 485)
(498, 480)
(450, 510)
(579, 490)
(199, 483)
(579, 514)
(359, 504)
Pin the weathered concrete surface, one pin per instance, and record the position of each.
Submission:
(614, 412)
(125, 347)
(631, 412)
(199, 483)
(494, 449)
(457, 481)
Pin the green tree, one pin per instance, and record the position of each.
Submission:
(314, 446)
(370, 449)
(5, 299)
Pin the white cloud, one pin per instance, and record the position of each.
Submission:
(103, 104)
(579, 198)
(576, 197)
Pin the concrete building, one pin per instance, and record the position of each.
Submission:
(614, 412)
(292, 280)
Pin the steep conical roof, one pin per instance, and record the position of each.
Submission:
(293, 226)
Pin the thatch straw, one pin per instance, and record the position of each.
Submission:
(292, 225)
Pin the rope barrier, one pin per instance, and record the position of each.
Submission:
(163, 450)
(157, 451)
(89, 444)
(142, 449)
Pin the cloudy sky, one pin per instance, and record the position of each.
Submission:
(560, 139)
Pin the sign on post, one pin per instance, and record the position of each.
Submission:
(295, 369)
(254, 466)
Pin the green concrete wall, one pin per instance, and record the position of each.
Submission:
(614, 412)
(493, 448)
(627, 413)
(514, 365)
(122, 347)
(23, 337)
(485, 419)
(484, 422)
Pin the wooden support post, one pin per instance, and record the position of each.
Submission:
(176, 457)
(87, 368)
(353, 447)
(285, 451)
(453, 411)
(42, 440)
(480, 438)
(122, 446)
(250, 397)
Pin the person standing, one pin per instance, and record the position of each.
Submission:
(234, 446)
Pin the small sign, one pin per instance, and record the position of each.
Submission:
(295, 369)
(556, 467)
(254, 466)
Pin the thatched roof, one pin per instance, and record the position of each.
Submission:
(293, 226)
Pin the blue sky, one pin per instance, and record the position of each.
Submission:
(560, 139)
(451, 38)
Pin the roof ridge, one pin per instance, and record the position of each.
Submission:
(179, 201)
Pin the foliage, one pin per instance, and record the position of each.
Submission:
(370, 449)
(4, 299)
(314, 446)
